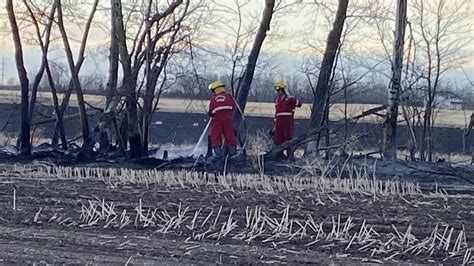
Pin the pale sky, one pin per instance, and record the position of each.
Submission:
(291, 30)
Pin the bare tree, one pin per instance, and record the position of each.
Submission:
(238, 26)
(390, 124)
(327, 64)
(111, 95)
(128, 84)
(44, 45)
(244, 89)
(74, 71)
(441, 33)
(157, 37)
(112, 98)
(77, 67)
(157, 60)
(341, 79)
(24, 139)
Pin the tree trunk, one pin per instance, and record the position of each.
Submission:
(150, 86)
(24, 139)
(390, 124)
(327, 135)
(59, 128)
(428, 135)
(111, 98)
(74, 72)
(155, 71)
(467, 140)
(423, 135)
(322, 87)
(57, 109)
(80, 59)
(44, 47)
(412, 146)
(439, 57)
(45, 66)
(151, 79)
(136, 150)
(244, 89)
(124, 132)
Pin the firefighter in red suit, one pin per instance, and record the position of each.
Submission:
(284, 122)
(221, 107)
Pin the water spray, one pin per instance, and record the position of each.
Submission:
(201, 137)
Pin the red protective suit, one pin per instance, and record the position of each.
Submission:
(284, 123)
(221, 107)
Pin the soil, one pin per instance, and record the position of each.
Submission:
(47, 225)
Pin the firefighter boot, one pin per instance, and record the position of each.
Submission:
(290, 153)
(218, 152)
(232, 151)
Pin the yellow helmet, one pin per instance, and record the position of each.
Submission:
(217, 86)
(281, 85)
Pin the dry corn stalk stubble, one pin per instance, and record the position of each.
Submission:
(360, 180)
(258, 224)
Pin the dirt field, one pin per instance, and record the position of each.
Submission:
(112, 216)
(444, 118)
(185, 128)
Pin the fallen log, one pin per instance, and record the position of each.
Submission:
(417, 171)
(312, 134)
(65, 118)
(373, 111)
(337, 146)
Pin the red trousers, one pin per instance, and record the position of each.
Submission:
(221, 128)
(283, 131)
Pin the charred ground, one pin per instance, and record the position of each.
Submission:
(185, 128)
(79, 215)
(57, 218)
